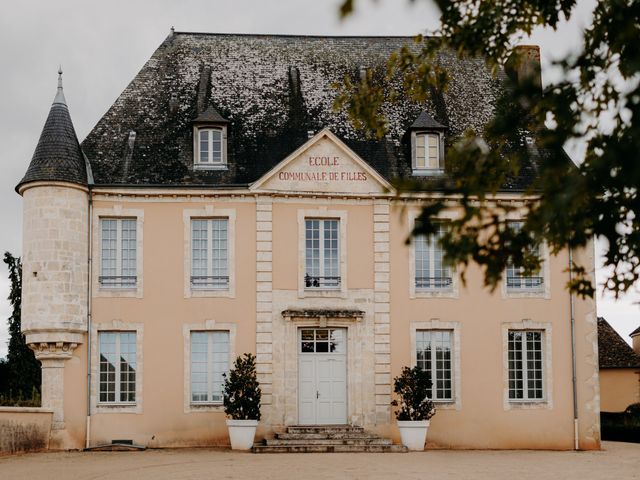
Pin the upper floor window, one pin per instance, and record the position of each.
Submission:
(118, 366)
(322, 253)
(517, 280)
(118, 266)
(211, 147)
(209, 253)
(431, 270)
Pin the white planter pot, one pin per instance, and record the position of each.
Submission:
(242, 433)
(413, 434)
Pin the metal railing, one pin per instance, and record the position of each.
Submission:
(524, 282)
(433, 282)
(313, 281)
(210, 281)
(118, 280)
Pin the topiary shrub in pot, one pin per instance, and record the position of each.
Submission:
(242, 402)
(413, 387)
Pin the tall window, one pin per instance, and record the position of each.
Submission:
(431, 270)
(525, 366)
(209, 253)
(117, 367)
(118, 262)
(209, 360)
(516, 279)
(210, 146)
(433, 349)
(322, 253)
(427, 151)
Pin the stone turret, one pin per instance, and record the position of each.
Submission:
(635, 337)
(55, 241)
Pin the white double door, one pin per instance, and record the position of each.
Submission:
(322, 372)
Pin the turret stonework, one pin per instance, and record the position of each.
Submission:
(55, 253)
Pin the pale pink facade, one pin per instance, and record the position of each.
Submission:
(267, 303)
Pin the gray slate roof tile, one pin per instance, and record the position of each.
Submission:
(613, 351)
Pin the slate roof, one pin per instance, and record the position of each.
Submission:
(273, 90)
(58, 156)
(425, 120)
(613, 351)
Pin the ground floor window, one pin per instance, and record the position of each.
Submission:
(117, 367)
(433, 350)
(526, 373)
(209, 361)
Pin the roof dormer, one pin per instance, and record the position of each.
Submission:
(210, 140)
(427, 145)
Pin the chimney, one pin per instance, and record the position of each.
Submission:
(523, 65)
(635, 338)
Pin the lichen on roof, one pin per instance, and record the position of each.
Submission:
(250, 84)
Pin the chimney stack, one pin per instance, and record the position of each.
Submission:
(635, 338)
(523, 65)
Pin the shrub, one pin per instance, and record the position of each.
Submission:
(413, 386)
(241, 390)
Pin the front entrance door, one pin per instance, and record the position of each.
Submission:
(322, 371)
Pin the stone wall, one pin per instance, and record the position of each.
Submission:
(24, 429)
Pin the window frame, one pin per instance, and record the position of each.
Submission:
(524, 369)
(322, 255)
(322, 213)
(543, 290)
(209, 164)
(209, 212)
(434, 361)
(119, 254)
(210, 249)
(455, 327)
(427, 168)
(116, 326)
(432, 248)
(209, 363)
(207, 326)
(116, 211)
(118, 382)
(546, 328)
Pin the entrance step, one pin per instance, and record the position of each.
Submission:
(325, 439)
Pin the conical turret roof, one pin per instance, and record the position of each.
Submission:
(58, 156)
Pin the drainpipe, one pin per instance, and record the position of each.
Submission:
(89, 306)
(576, 440)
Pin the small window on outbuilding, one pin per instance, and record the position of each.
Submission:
(210, 140)
(427, 146)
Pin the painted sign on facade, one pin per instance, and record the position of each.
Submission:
(324, 167)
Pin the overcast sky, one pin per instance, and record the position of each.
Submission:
(103, 44)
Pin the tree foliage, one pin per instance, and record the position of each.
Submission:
(21, 371)
(413, 387)
(242, 392)
(597, 100)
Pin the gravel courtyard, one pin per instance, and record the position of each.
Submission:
(616, 461)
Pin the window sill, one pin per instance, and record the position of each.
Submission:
(525, 293)
(199, 166)
(209, 292)
(118, 408)
(528, 405)
(204, 407)
(435, 293)
(428, 172)
(322, 293)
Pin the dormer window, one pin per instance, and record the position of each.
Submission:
(427, 151)
(210, 140)
(427, 145)
(210, 147)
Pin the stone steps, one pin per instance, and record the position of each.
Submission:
(326, 439)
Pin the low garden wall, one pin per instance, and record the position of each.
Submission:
(24, 429)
